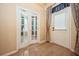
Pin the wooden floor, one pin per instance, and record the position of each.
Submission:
(45, 49)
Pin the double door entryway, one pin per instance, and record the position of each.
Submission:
(27, 27)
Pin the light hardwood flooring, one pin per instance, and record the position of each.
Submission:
(45, 49)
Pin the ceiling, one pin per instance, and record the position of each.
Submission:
(45, 5)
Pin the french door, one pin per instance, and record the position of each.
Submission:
(28, 27)
(24, 30)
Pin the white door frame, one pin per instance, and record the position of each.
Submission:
(18, 27)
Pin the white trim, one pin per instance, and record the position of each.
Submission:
(43, 41)
(38, 27)
(55, 5)
(32, 42)
(72, 50)
(34, 11)
(17, 28)
(51, 41)
(9, 53)
(17, 25)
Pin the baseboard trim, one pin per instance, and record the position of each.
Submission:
(42, 41)
(51, 41)
(63, 46)
(72, 50)
(9, 53)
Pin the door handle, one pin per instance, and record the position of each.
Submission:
(52, 28)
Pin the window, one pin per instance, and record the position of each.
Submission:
(60, 21)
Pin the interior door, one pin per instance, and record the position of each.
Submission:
(34, 28)
(24, 29)
(27, 27)
(60, 27)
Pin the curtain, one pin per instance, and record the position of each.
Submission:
(75, 12)
(60, 7)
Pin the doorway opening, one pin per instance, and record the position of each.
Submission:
(27, 27)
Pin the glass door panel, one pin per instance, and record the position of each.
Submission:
(34, 27)
(24, 28)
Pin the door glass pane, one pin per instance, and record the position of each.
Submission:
(24, 28)
(32, 31)
(22, 34)
(59, 21)
(34, 27)
(22, 19)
